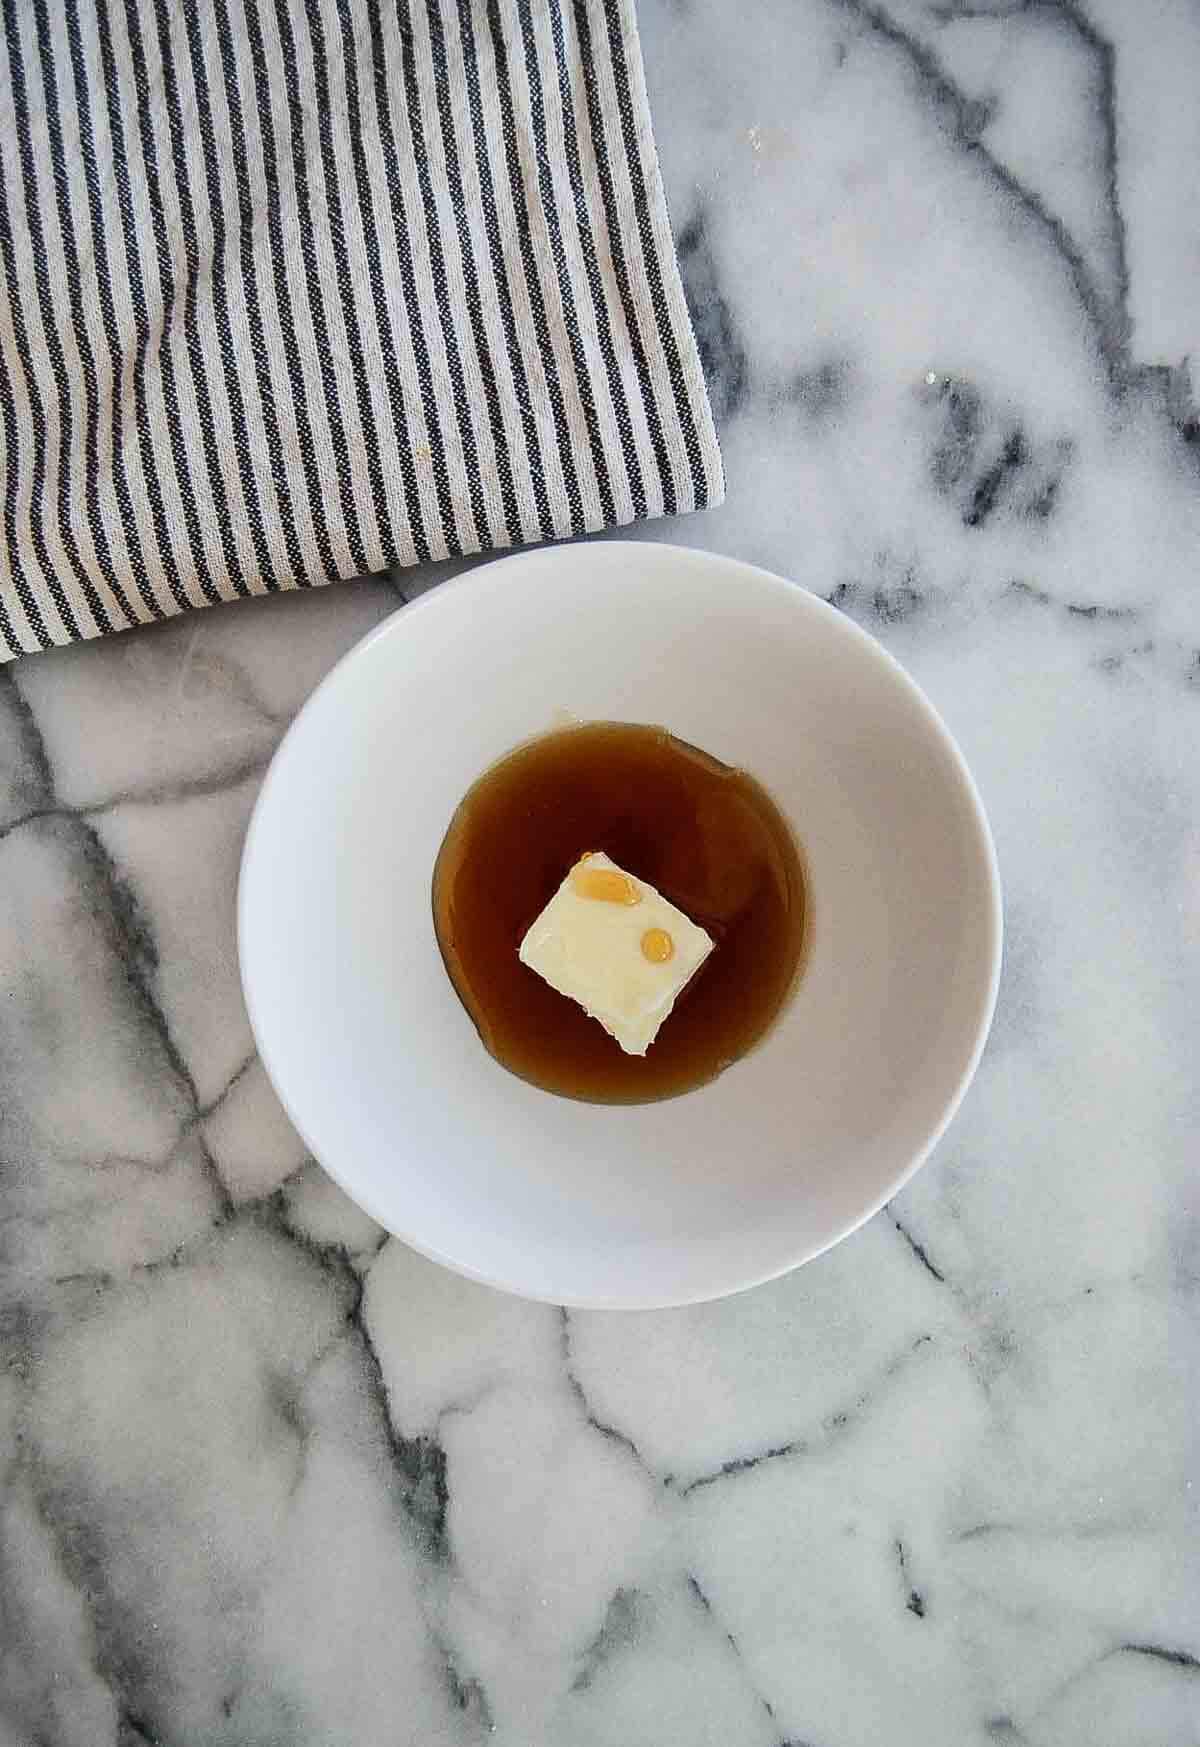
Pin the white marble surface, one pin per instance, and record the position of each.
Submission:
(266, 1478)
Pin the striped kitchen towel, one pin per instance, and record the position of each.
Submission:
(293, 290)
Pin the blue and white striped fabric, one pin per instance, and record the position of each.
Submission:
(293, 290)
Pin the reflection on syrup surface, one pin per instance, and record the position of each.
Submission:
(709, 837)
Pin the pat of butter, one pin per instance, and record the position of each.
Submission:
(611, 942)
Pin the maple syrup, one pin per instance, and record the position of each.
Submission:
(709, 837)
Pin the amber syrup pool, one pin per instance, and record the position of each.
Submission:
(708, 836)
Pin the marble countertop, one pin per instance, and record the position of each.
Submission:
(268, 1478)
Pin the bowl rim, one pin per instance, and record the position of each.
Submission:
(479, 576)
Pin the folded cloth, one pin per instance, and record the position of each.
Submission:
(293, 290)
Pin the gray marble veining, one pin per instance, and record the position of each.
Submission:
(268, 1477)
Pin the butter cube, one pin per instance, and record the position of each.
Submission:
(611, 942)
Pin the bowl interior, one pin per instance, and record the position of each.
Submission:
(378, 1064)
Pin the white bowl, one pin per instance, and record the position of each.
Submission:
(378, 1064)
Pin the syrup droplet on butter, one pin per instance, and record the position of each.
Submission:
(657, 946)
(607, 884)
